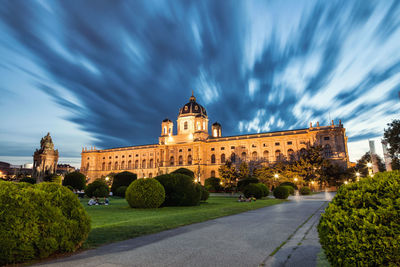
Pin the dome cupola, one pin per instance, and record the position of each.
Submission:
(192, 108)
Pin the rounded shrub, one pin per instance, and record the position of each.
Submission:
(281, 192)
(75, 179)
(264, 189)
(305, 190)
(120, 192)
(253, 190)
(288, 184)
(213, 184)
(184, 171)
(38, 221)
(122, 179)
(204, 193)
(291, 189)
(98, 188)
(145, 193)
(246, 181)
(53, 178)
(180, 190)
(361, 226)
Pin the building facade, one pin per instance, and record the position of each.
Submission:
(194, 148)
(45, 159)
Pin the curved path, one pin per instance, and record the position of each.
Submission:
(245, 239)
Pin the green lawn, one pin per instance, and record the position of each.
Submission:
(118, 221)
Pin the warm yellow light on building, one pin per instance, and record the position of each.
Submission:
(295, 179)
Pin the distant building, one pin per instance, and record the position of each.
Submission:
(45, 159)
(63, 169)
(13, 171)
(195, 149)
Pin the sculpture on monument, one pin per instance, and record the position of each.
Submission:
(45, 159)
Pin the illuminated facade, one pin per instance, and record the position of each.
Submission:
(203, 153)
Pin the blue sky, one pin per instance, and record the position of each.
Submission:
(106, 73)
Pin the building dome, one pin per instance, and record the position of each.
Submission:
(193, 108)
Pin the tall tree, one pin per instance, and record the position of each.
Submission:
(361, 165)
(392, 137)
(243, 170)
(228, 172)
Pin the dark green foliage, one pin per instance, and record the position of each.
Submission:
(180, 190)
(204, 193)
(53, 178)
(264, 189)
(392, 137)
(75, 179)
(305, 190)
(244, 182)
(253, 190)
(362, 164)
(97, 189)
(122, 179)
(184, 171)
(291, 189)
(288, 184)
(70, 187)
(28, 180)
(37, 221)
(282, 192)
(120, 192)
(213, 184)
(361, 226)
(145, 193)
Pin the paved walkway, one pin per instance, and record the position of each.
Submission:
(245, 239)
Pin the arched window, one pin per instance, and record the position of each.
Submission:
(130, 164)
(327, 151)
(116, 165)
(290, 154)
(198, 126)
(122, 165)
(151, 163)
(204, 125)
(109, 166)
(278, 155)
(180, 160)
(222, 158)
(136, 164)
(165, 129)
(266, 155)
(185, 125)
(171, 161)
(233, 157)
(254, 155)
(87, 166)
(244, 155)
(143, 164)
(190, 160)
(212, 159)
(103, 166)
(150, 175)
(215, 133)
(212, 173)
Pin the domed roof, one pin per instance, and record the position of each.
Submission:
(193, 108)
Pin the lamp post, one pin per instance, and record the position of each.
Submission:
(276, 176)
(358, 176)
(369, 165)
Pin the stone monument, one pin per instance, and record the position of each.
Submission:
(45, 159)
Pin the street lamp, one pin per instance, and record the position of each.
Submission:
(358, 176)
(107, 178)
(369, 165)
(295, 179)
(276, 176)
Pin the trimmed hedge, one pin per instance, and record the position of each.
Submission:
(288, 184)
(204, 194)
(305, 190)
(184, 171)
(75, 179)
(180, 190)
(246, 181)
(98, 188)
(253, 190)
(264, 189)
(282, 192)
(120, 192)
(291, 189)
(145, 193)
(122, 179)
(361, 226)
(213, 184)
(38, 221)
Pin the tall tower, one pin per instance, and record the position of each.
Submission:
(45, 159)
(216, 130)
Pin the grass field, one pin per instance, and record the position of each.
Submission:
(118, 221)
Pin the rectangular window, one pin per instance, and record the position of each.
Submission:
(222, 148)
(212, 149)
(180, 150)
(116, 157)
(130, 156)
(123, 156)
(289, 142)
(189, 149)
(277, 143)
(232, 147)
(326, 138)
(302, 142)
(137, 155)
(264, 145)
(253, 145)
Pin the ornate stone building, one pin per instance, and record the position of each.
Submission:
(194, 148)
(44, 159)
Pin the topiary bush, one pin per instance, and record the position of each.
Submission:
(120, 192)
(180, 190)
(253, 190)
(122, 179)
(145, 193)
(204, 193)
(38, 221)
(282, 192)
(305, 190)
(98, 188)
(361, 226)
(288, 184)
(264, 189)
(213, 184)
(75, 179)
(291, 189)
(244, 182)
(184, 171)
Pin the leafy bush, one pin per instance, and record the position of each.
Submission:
(305, 190)
(253, 190)
(361, 226)
(70, 187)
(120, 192)
(37, 221)
(75, 179)
(184, 171)
(97, 189)
(122, 179)
(282, 192)
(264, 189)
(53, 178)
(288, 184)
(180, 190)
(244, 182)
(213, 184)
(145, 193)
(204, 193)
(28, 180)
(291, 189)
